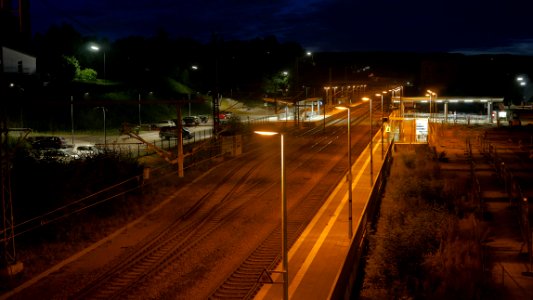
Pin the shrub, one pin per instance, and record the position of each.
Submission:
(87, 74)
(420, 244)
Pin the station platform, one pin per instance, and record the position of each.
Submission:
(317, 257)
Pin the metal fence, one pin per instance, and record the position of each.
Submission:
(139, 149)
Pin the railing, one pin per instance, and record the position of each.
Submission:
(139, 149)
(451, 118)
(514, 193)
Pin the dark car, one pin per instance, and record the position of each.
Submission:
(203, 118)
(58, 155)
(168, 132)
(191, 121)
(48, 142)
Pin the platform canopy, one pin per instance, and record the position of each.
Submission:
(445, 99)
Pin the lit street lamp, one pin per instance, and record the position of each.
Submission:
(284, 252)
(324, 105)
(371, 145)
(96, 49)
(349, 175)
(523, 81)
(384, 92)
(432, 97)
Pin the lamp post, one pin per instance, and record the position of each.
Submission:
(349, 175)
(139, 111)
(284, 252)
(96, 49)
(194, 68)
(324, 106)
(371, 144)
(72, 120)
(384, 92)
(431, 95)
(297, 71)
(522, 81)
(105, 131)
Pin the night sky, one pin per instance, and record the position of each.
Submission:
(467, 26)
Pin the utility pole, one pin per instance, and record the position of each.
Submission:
(180, 143)
(9, 265)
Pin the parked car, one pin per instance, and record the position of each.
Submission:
(162, 124)
(203, 118)
(48, 142)
(169, 132)
(59, 155)
(84, 150)
(225, 115)
(191, 121)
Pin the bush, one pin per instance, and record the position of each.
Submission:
(40, 186)
(421, 248)
(87, 74)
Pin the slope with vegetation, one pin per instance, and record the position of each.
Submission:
(427, 242)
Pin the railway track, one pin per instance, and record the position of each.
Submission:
(159, 252)
(245, 281)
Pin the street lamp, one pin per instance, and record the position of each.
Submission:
(432, 96)
(284, 252)
(349, 175)
(96, 49)
(384, 92)
(522, 81)
(324, 105)
(140, 111)
(72, 119)
(371, 146)
(105, 131)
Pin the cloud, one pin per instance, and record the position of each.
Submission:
(515, 47)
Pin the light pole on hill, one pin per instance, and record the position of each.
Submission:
(96, 48)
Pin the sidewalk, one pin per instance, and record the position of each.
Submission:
(316, 258)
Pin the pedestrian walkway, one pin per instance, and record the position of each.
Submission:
(316, 258)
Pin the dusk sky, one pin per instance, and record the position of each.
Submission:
(467, 26)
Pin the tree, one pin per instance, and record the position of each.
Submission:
(69, 69)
